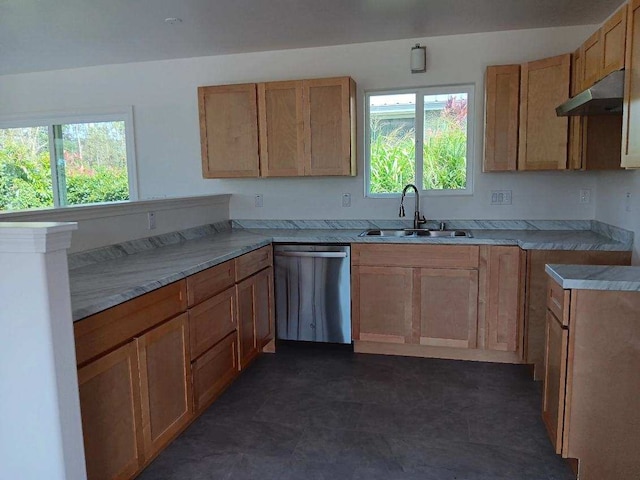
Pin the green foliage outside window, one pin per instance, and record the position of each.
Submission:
(392, 156)
(93, 163)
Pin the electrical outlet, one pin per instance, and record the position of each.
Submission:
(500, 197)
(585, 195)
(151, 220)
(258, 200)
(627, 202)
(346, 199)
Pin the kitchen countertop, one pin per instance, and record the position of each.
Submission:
(110, 280)
(596, 277)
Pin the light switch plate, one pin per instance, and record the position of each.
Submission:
(346, 199)
(259, 200)
(151, 220)
(585, 195)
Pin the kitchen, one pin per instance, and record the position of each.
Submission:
(168, 145)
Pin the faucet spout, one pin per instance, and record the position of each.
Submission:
(418, 219)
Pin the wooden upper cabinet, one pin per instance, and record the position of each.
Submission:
(281, 129)
(592, 60)
(502, 101)
(229, 131)
(631, 109)
(329, 110)
(544, 135)
(613, 38)
(575, 123)
(165, 382)
(111, 422)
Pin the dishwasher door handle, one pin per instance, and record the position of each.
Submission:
(312, 254)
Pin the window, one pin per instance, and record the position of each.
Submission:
(438, 156)
(67, 160)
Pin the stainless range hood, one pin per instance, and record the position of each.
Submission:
(603, 98)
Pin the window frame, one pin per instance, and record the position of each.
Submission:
(421, 92)
(49, 119)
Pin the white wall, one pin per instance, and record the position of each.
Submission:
(613, 206)
(163, 95)
(109, 224)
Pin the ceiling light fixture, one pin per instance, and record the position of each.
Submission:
(172, 20)
(418, 59)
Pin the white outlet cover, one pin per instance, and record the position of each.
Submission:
(346, 199)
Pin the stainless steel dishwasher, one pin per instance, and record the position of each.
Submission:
(313, 293)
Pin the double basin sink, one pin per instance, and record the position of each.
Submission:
(412, 232)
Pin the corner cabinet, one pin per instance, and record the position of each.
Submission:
(302, 128)
(447, 301)
(631, 108)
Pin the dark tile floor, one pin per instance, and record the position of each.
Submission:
(312, 413)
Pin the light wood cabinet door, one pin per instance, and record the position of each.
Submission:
(502, 102)
(543, 135)
(575, 122)
(383, 303)
(111, 422)
(631, 108)
(329, 116)
(211, 321)
(281, 129)
(555, 379)
(246, 297)
(448, 307)
(165, 382)
(592, 60)
(613, 38)
(536, 295)
(505, 298)
(229, 131)
(214, 370)
(264, 309)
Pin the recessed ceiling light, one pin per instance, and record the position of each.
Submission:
(172, 20)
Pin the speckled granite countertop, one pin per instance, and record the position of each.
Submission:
(106, 277)
(596, 277)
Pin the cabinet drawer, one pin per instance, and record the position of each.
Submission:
(252, 262)
(207, 283)
(211, 321)
(214, 370)
(558, 301)
(425, 256)
(106, 330)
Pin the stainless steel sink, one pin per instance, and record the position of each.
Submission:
(410, 232)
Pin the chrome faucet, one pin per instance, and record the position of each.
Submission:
(417, 219)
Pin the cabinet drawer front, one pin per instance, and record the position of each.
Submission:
(427, 256)
(558, 301)
(252, 262)
(211, 321)
(106, 330)
(214, 370)
(207, 283)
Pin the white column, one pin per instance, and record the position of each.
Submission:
(40, 425)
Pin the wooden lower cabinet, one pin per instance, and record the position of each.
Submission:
(265, 307)
(555, 379)
(448, 307)
(536, 295)
(214, 370)
(448, 301)
(111, 421)
(165, 382)
(592, 394)
(382, 302)
(255, 314)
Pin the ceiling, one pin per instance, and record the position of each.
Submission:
(40, 35)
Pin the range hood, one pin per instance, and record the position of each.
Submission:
(603, 98)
